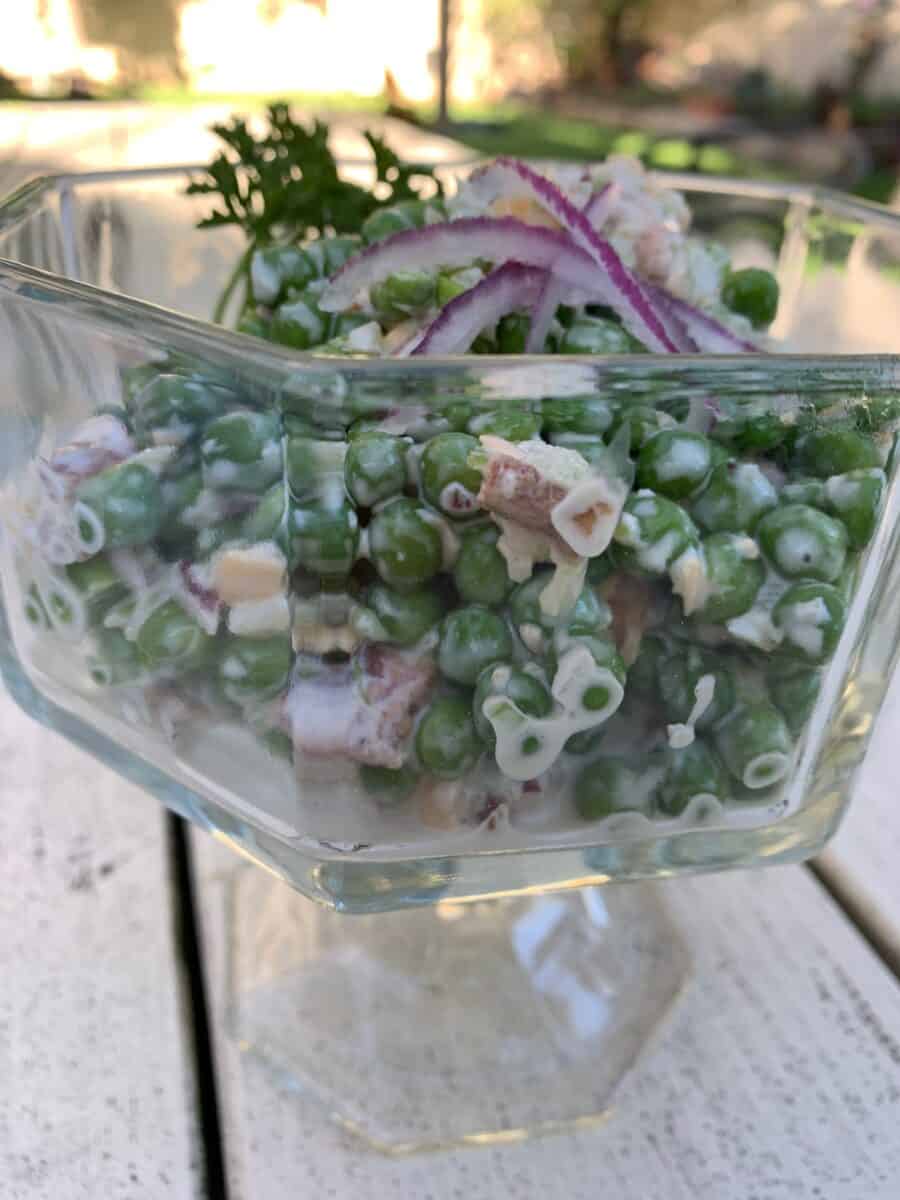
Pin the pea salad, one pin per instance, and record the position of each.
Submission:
(592, 613)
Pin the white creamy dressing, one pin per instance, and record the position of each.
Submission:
(528, 746)
(449, 541)
(756, 628)
(681, 734)
(264, 279)
(457, 498)
(690, 580)
(842, 491)
(683, 458)
(657, 555)
(586, 518)
(796, 550)
(804, 626)
(565, 586)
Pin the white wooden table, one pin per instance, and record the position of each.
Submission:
(779, 1078)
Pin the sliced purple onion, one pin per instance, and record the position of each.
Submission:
(617, 285)
(686, 344)
(599, 206)
(461, 320)
(709, 335)
(544, 311)
(459, 244)
(597, 211)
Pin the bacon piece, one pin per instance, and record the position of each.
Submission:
(552, 490)
(633, 602)
(516, 488)
(98, 443)
(362, 709)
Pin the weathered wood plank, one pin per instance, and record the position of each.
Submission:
(96, 1083)
(780, 1075)
(862, 864)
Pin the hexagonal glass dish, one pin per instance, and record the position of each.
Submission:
(105, 283)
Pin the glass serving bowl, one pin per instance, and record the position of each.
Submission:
(104, 287)
(527, 1007)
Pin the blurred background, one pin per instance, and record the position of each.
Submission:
(795, 88)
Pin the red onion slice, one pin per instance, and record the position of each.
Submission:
(460, 321)
(617, 285)
(597, 211)
(460, 243)
(709, 335)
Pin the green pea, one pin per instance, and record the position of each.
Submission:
(675, 463)
(338, 250)
(299, 322)
(402, 294)
(512, 333)
(795, 694)
(315, 469)
(451, 284)
(179, 496)
(447, 743)
(268, 521)
(528, 693)
(590, 614)
(405, 616)
(241, 451)
(586, 741)
(753, 293)
(804, 491)
(811, 617)
(404, 545)
(273, 269)
(653, 532)
(855, 498)
(480, 572)
(590, 415)
(97, 583)
(827, 452)
(755, 744)
(597, 696)
(750, 426)
(472, 638)
(595, 335)
(254, 668)
(735, 572)
(516, 425)
(115, 659)
(802, 542)
(679, 671)
(170, 638)
(384, 222)
(214, 537)
(389, 786)
(325, 538)
(172, 409)
(643, 674)
(375, 468)
(734, 499)
(692, 772)
(448, 482)
(127, 501)
(642, 423)
(606, 787)
(253, 324)
(33, 609)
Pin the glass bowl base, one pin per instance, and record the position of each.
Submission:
(454, 1024)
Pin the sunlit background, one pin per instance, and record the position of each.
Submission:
(802, 88)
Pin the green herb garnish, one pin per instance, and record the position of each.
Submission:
(285, 186)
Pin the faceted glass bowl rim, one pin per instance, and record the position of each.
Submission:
(158, 322)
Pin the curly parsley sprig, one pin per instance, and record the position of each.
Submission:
(285, 185)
